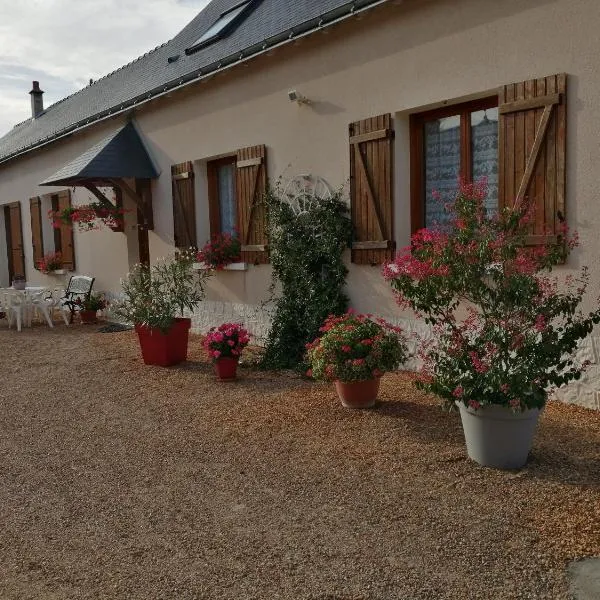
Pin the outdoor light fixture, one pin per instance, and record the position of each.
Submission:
(294, 96)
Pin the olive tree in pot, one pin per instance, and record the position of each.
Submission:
(505, 330)
(155, 300)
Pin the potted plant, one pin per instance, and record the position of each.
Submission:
(89, 307)
(354, 352)
(88, 217)
(505, 330)
(224, 345)
(51, 263)
(19, 282)
(154, 300)
(222, 250)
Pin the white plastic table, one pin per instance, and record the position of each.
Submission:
(29, 293)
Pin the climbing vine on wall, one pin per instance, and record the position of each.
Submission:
(307, 238)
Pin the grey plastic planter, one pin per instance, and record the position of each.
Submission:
(497, 437)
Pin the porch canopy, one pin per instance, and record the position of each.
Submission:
(118, 157)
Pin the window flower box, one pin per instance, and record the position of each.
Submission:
(236, 266)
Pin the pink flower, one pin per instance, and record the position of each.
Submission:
(474, 404)
(217, 336)
(514, 403)
(367, 342)
(458, 391)
(230, 343)
(309, 373)
(216, 353)
(540, 323)
(346, 349)
(358, 362)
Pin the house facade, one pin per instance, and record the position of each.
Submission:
(391, 99)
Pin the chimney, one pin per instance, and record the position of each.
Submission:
(37, 102)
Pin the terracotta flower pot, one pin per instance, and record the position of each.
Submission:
(88, 316)
(226, 368)
(358, 394)
(164, 349)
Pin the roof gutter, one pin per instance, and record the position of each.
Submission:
(320, 22)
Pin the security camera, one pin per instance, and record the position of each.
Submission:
(294, 96)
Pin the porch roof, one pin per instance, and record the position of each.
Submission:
(121, 154)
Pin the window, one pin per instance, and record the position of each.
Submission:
(220, 27)
(449, 143)
(222, 195)
(45, 239)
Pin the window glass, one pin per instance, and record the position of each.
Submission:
(227, 203)
(220, 24)
(484, 148)
(442, 166)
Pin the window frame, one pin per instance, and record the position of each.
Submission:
(214, 201)
(248, 5)
(417, 149)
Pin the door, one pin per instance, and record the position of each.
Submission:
(14, 240)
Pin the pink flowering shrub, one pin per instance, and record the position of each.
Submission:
(355, 347)
(226, 341)
(505, 329)
(222, 250)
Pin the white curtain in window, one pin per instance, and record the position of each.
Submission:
(442, 167)
(227, 198)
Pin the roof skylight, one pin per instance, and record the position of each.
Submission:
(220, 27)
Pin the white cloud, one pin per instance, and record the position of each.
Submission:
(65, 43)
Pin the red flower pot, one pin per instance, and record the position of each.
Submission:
(88, 316)
(226, 368)
(358, 394)
(164, 349)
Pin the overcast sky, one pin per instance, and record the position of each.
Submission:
(64, 43)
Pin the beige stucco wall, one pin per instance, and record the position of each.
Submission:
(399, 58)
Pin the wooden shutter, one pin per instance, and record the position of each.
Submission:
(371, 189)
(532, 151)
(184, 205)
(15, 234)
(37, 239)
(67, 246)
(251, 184)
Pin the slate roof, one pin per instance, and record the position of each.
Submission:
(121, 154)
(271, 22)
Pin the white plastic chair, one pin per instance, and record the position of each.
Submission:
(54, 298)
(40, 303)
(15, 305)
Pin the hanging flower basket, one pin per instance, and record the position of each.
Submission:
(89, 217)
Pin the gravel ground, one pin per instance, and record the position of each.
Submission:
(119, 480)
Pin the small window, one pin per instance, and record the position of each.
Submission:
(222, 195)
(447, 144)
(220, 27)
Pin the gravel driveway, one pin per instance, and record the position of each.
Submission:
(124, 481)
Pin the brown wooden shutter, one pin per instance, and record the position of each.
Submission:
(37, 239)
(251, 184)
(184, 205)
(532, 151)
(15, 231)
(371, 189)
(67, 245)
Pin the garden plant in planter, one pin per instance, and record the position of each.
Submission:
(50, 262)
(222, 250)
(505, 329)
(89, 307)
(155, 299)
(354, 351)
(224, 345)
